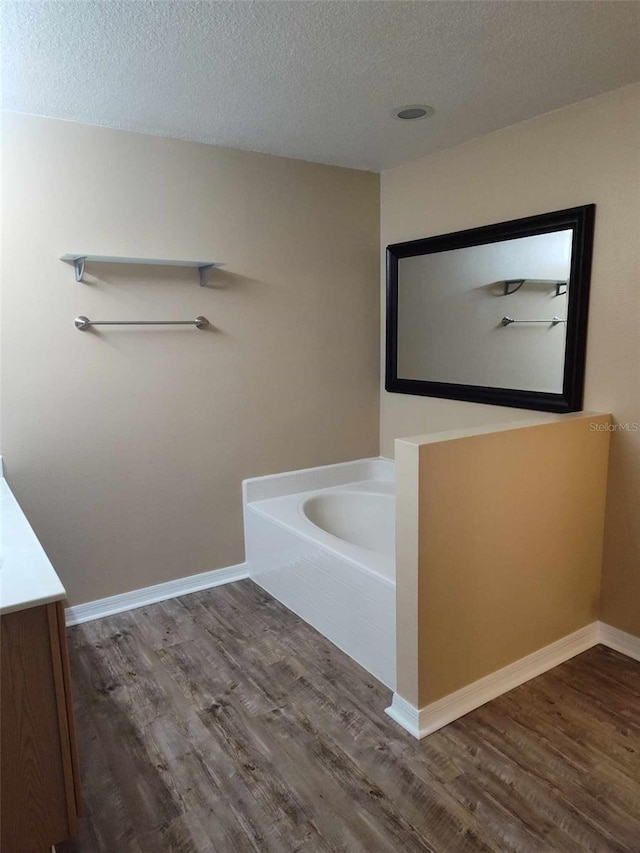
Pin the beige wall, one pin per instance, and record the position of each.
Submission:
(502, 577)
(588, 152)
(127, 448)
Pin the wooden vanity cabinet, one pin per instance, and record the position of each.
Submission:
(39, 781)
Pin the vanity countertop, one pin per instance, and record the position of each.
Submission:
(27, 578)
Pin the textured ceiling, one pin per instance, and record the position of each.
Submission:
(314, 80)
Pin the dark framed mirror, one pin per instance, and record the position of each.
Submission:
(496, 314)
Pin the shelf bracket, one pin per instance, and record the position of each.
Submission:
(513, 281)
(203, 272)
(560, 284)
(78, 264)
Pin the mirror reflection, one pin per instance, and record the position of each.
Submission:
(493, 314)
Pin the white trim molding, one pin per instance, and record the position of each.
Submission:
(153, 594)
(421, 722)
(619, 640)
(406, 715)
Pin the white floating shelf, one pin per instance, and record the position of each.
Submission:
(78, 260)
(516, 284)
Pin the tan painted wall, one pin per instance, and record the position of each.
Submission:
(502, 576)
(588, 152)
(127, 448)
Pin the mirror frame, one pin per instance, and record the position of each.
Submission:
(581, 221)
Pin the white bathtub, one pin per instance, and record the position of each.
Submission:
(322, 541)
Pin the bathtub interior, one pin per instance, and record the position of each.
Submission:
(362, 518)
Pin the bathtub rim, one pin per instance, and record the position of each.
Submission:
(334, 475)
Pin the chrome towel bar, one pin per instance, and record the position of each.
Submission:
(507, 321)
(84, 323)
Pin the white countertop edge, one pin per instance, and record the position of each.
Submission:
(27, 605)
(27, 578)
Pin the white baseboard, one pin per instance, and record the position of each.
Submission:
(619, 640)
(152, 594)
(406, 715)
(421, 722)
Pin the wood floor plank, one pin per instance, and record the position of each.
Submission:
(594, 695)
(203, 775)
(395, 798)
(106, 813)
(220, 722)
(623, 671)
(359, 744)
(272, 762)
(597, 796)
(527, 795)
(148, 802)
(577, 732)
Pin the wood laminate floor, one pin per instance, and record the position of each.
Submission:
(222, 722)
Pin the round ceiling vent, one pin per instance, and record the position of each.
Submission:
(411, 112)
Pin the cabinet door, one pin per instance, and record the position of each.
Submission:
(37, 774)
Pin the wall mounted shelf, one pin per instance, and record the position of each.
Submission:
(512, 285)
(79, 260)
